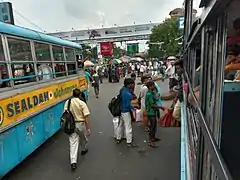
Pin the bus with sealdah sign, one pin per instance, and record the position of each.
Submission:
(37, 74)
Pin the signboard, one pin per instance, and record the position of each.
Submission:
(106, 48)
(6, 13)
(180, 23)
(107, 33)
(117, 39)
(133, 48)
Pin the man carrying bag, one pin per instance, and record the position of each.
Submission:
(80, 113)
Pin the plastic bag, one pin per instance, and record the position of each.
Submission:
(138, 115)
(118, 127)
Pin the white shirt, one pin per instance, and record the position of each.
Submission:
(133, 67)
(170, 71)
(78, 108)
(143, 93)
(142, 68)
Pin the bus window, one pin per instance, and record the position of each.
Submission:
(70, 55)
(3, 68)
(71, 61)
(44, 61)
(58, 53)
(59, 61)
(21, 61)
(60, 69)
(45, 71)
(42, 52)
(71, 67)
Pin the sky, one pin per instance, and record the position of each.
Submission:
(65, 15)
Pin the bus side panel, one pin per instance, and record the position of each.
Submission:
(48, 118)
(51, 118)
(58, 110)
(30, 135)
(9, 151)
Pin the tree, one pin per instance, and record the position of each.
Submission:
(118, 52)
(163, 39)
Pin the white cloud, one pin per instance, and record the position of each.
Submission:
(63, 15)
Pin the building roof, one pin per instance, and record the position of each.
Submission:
(180, 10)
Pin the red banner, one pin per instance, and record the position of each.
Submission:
(106, 48)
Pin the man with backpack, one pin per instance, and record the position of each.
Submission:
(80, 112)
(126, 108)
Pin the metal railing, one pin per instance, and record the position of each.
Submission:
(195, 130)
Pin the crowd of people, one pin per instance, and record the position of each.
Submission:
(149, 102)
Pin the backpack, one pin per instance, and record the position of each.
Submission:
(67, 121)
(114, 106)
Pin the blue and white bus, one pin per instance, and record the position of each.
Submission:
(37, 74)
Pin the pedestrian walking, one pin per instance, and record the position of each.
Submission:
(81, 113)
(88, 79)
(100, 74)
(95, 83)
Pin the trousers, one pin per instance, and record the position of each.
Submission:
(125, 124)
(152, 126)
(78, 137)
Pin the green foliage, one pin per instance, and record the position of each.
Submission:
(166, 33)
(118, 52)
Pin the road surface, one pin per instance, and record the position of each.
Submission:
(106, 160)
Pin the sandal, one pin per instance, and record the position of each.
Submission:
(146, 129)
(151, 144)
(156, 139)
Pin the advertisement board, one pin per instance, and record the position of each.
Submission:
(106, 48)
(107, 33)
(6, 13)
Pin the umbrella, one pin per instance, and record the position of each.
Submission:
(136, 59)
(141, 55)
(117, 61)
(171, 58)
(88, 63)
(125, 58)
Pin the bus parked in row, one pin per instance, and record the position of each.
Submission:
(211, 54)
(37, 74)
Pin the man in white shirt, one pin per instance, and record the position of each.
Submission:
(142, 97)
(81, 114)
(142, 69)
(170, 71)
(133, 68)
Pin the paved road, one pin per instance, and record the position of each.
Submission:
(105, 160)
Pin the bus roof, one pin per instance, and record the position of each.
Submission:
(34, 35)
